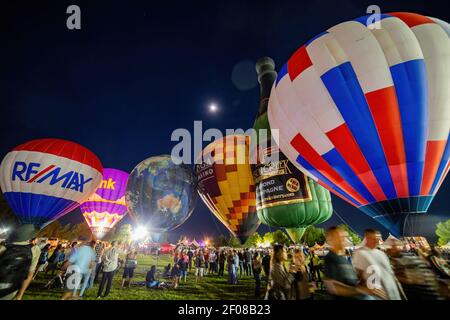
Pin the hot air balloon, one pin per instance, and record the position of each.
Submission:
(296, 234)
(285, 197)
(225, 184)
(106, 207)
(365, 111)
(161, 194)
(44, 179)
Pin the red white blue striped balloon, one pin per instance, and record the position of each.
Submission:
(366, 113)
(44, 179)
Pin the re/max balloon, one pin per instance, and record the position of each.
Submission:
(160, 194)
(225, 184)
(365, 111)
(44, 179)
(106, 207)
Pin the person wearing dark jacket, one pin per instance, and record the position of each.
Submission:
(266, 265)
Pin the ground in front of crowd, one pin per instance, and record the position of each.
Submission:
(210, 287)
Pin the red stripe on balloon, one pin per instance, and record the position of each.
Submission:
(386, 115)
(433, 156)
(41, 173)
(349, 199)
(304, 148)
(411, 19)
(345, 143)
(65, 149)
(299, 62)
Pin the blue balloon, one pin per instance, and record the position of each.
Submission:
(161, 195)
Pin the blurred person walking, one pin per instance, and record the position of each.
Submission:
(19, 257)
(374, 268)
(341, 280)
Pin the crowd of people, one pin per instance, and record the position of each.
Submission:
(367, 273)
(398, 272)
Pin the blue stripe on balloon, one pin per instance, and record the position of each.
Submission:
(411, 89)
(441, 168)
(347, 94)
(316, 37)
(283, 71)
(363, 19)
(334, 158)
(38, 208)
(305, 164)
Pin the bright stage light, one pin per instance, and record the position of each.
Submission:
(140, 233)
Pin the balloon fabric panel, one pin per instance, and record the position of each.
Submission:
(366, 113)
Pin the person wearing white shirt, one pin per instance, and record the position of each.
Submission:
(374, 268)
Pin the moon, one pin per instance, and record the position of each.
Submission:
(213, 108)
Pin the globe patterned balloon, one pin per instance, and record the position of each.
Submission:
(161, 194)
(106, 207)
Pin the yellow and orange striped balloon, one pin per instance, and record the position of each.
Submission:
(225, 183)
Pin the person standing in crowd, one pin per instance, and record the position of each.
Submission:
(183, 265)
(175, 275)
(341, 280)
(206, 256)
(73, 249)
(316, 266)
(230, 267)
(374, 268)
(199, 265)
(248, 262)
(222, 260)
(99, 250)
(266, 264)
(79, 268)
(128, 270)
(54, 259)
(301, 283)
(43, 259)
(236, 264)
(19, 257)
(212, 262)
(110, 264)
(280, 280)
(190, 255)
(241, 264)
(257, 267)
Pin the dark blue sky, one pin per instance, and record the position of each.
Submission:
(137, 70)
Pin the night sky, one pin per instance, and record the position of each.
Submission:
(137, 70)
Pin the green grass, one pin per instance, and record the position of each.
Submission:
(210, 287)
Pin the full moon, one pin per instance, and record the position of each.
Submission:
(213, 108)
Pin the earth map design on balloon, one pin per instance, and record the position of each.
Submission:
(160, 193)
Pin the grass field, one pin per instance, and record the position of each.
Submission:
(211, 287)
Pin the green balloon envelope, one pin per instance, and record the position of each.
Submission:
(285, 197)
(296, 234)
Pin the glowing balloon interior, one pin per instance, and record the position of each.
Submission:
(366, 113)
(44, 179)
(226, 185)
(106, 207)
